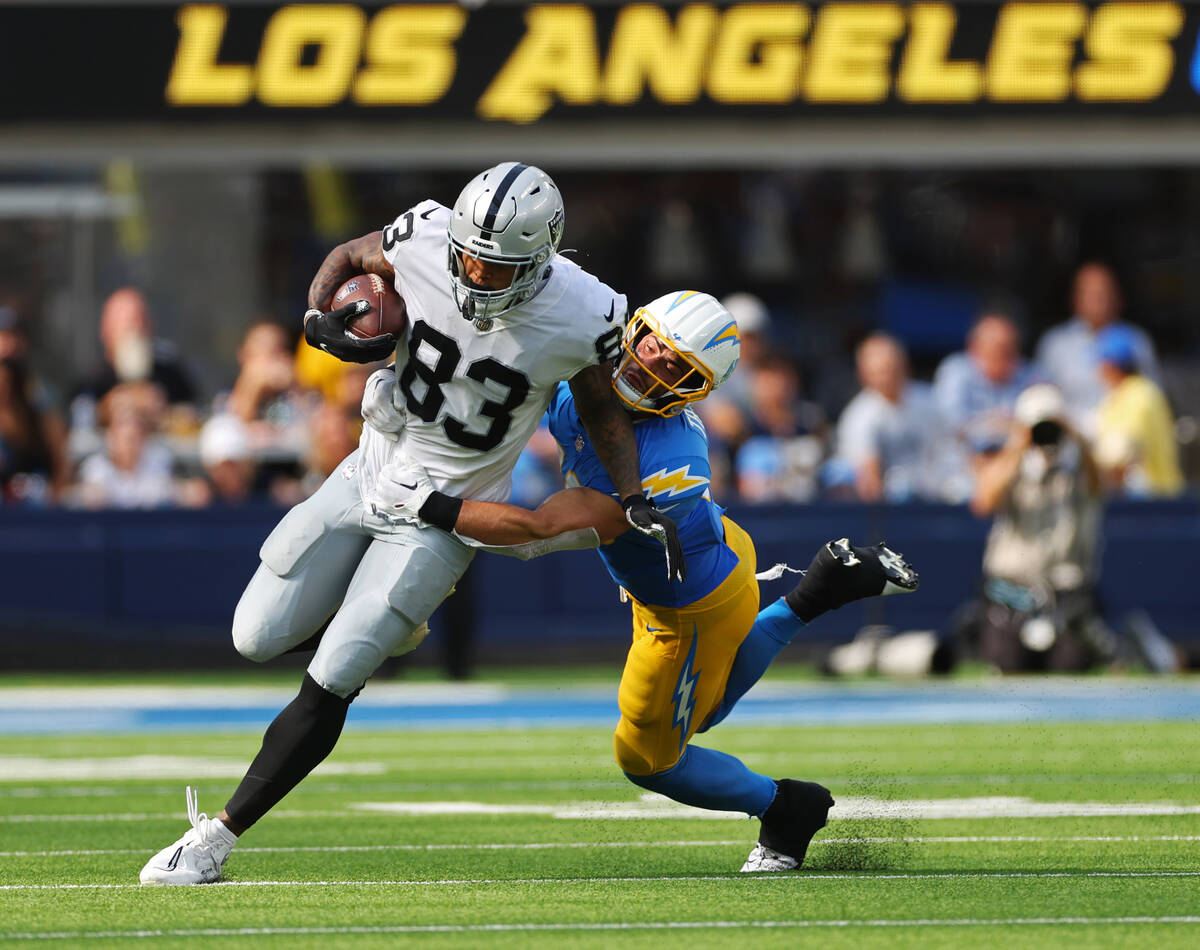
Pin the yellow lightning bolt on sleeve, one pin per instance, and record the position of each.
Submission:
(671, 483)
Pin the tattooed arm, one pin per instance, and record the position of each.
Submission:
(611, 433)
(325, 329)
(609, 427)
(363, 255)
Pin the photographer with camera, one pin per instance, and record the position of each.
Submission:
(1036, 609)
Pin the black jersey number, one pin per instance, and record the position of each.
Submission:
(608, 344)
(393, 235)
(433, 375)
(446, 356)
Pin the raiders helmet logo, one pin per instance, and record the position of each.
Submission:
(556, 227)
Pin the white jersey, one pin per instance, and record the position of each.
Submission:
(474, 391)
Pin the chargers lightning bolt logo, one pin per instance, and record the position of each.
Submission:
(671, 483)
(685, 691)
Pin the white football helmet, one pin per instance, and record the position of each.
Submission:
(509, 214)
(697, 327)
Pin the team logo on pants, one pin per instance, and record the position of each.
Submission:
(685, 691)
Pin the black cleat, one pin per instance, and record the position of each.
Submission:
(841, 573)
(799, 811)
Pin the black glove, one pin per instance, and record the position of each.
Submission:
(641, 513)
(327, 331)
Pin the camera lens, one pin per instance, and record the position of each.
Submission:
(1046, 432)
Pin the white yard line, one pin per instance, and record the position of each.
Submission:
(23, 768)
(650, 805)
(654, 879)
(327, 783)
(17, 699)
(551, 845)
(107, 768)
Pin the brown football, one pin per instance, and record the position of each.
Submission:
(387, 314)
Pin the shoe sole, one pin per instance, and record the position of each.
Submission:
(899, 577)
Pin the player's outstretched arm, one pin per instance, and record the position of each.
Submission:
(404, 493)
(571, 509)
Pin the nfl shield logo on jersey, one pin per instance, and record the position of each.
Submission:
(580, 442)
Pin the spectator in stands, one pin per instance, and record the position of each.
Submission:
(43, 402)
(30, 471)
(1067, 355)
(977, 388)
(781, 457)
(230, 467)
(132, 354)
(348, 394)
(133, 470)
(265, 397)
(1136, 445)
(319, 371)
(14, 336)
(726, 413)
(888, 434)
(265, 371)
(754, 330)
(1036, 609)
(334, 435)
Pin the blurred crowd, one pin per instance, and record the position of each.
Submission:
(900, 439)
(135, 433)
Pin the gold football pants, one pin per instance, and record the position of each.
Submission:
(677, 668)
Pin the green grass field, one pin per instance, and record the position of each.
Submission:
(557, 866)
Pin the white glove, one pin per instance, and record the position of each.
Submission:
(379, 405)
(402, 488)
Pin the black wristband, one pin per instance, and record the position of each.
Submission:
(441, 510)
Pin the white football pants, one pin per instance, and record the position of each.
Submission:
(331, 557)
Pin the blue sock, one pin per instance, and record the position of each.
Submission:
(773, 629)
(710, 779)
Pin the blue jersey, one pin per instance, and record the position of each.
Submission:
(675, 474)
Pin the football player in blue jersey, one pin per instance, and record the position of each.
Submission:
(698, 644)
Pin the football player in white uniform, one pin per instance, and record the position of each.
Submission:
(497, 318)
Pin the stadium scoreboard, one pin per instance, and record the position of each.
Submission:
(539, 63)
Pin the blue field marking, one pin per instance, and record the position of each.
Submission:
(95, 711)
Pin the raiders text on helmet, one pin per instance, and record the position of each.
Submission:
(700, 330)
(510, 214)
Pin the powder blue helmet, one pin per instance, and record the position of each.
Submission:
(700, 330)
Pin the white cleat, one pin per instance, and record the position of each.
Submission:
(197, 857)
(763, 858)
